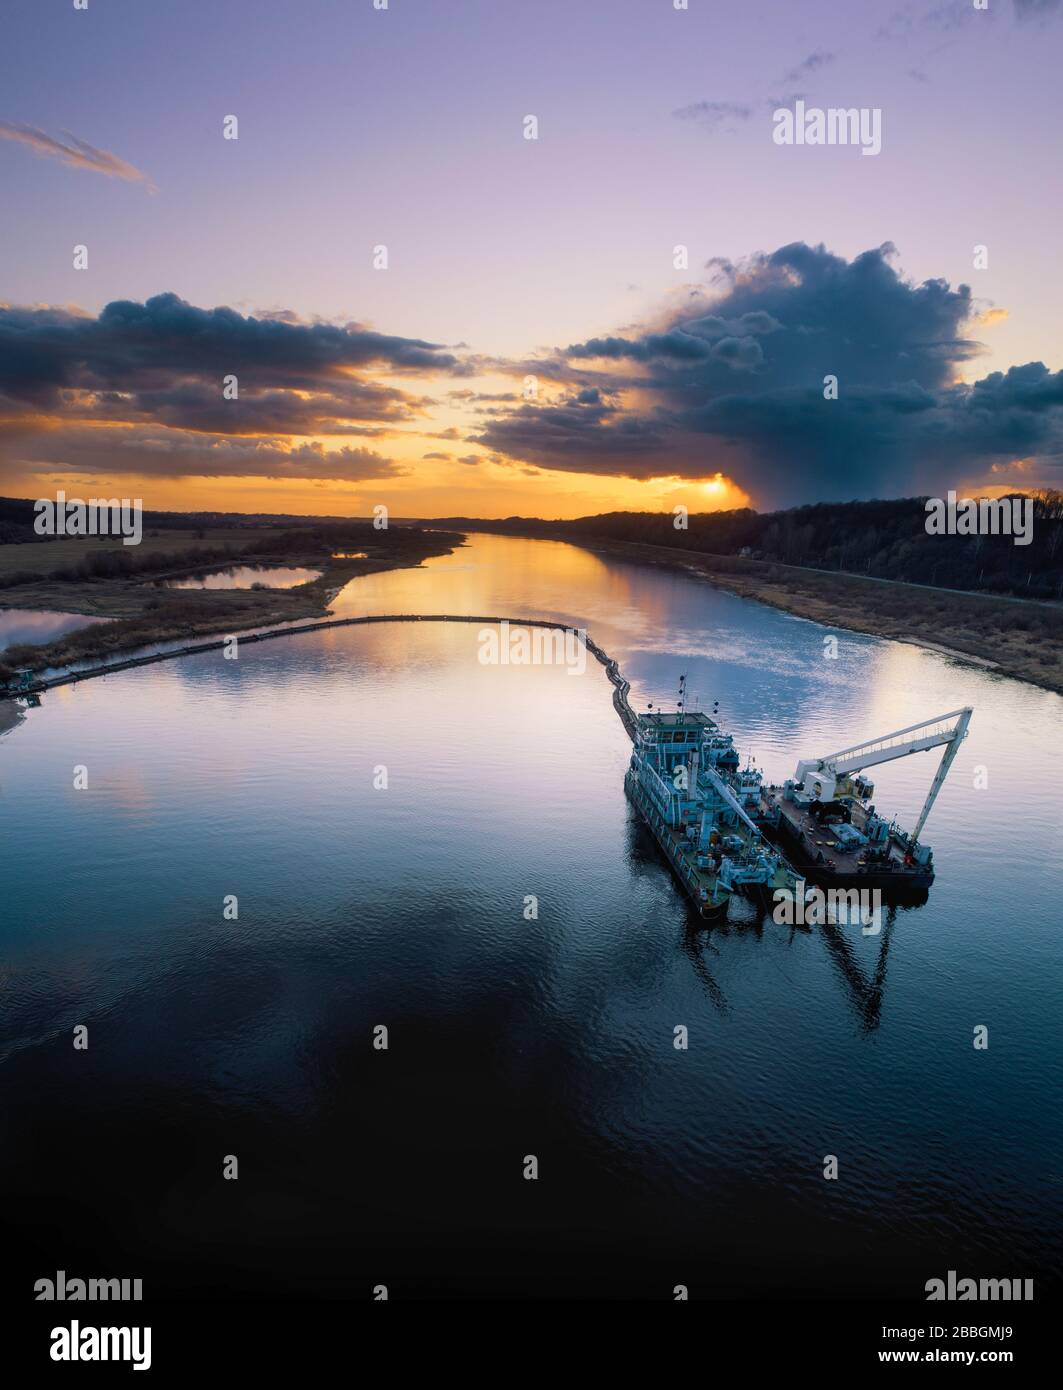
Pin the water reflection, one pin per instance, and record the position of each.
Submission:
(360, 906)
(247, 577)
(33, 625)
(866, 989)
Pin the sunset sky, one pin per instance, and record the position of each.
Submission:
(532, 346)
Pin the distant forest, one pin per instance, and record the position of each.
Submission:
(885, 539)
(17, 516)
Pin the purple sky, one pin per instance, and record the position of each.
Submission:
(403, 127)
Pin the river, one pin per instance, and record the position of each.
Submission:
(362, 906)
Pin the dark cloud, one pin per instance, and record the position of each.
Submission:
(715, 115)
(473, 397)
(1036, 9)
(164, 342)
(953, 15)
(169, 453)
(162, 364)
(199, 407)
(819, 59)
(721, 116)
(577, 435)
(725, 116)
(737, 383)
(731, 382)
(1030, 387)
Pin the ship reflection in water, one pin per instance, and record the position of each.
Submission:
(553, 1034)
(863, 982)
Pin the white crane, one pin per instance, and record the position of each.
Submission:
(819, 776)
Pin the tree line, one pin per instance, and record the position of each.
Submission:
(885, 539)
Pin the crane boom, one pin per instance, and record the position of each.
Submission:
(916, 738)
(959, 734)
(722, 790)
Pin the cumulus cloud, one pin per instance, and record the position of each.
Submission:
(161, 365)
(735, 382)
(74, 153)
(132, 346)
(167, 454)
(577, 435)
(729, 380)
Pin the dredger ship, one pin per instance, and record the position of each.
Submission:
(710, 817)
(678, 781)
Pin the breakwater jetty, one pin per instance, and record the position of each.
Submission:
(621, 687)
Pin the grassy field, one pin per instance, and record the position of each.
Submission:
(45, 556)
(143, 612)
(27, 572)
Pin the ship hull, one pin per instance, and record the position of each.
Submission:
(899, 884)
(712, 911)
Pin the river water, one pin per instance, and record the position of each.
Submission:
(404, 907)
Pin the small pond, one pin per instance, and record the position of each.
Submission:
(247, 576)
(37, 625)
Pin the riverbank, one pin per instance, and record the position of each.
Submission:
(142, 613)
(10, 715)
(1024, 641)
(1015, 637)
